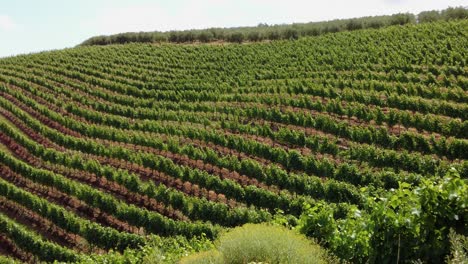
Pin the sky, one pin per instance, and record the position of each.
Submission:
(36, 25)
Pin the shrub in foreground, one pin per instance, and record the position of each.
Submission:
(459, 249)
(406, 224)
(261, 243)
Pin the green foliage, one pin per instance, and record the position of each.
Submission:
(236, 37)
(402, 19)
(429, 16)
(451, 13)
(227, 135)
(274, 32)
(261, 243)
(30, 241)
(407, 223)
(157, 250)
(6, 260)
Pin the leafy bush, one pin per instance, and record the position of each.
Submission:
(404, 224)
(261, 243)
(7, 260)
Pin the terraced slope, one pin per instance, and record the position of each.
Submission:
(102, 147)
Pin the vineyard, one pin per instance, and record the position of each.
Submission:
(109, 147)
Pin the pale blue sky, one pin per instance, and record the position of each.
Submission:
(37, 25)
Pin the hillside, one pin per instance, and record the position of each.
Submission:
(104, 146)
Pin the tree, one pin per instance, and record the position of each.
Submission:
(237, 37)
(205, 36)
(254, 36)
(429, 16)
(290, 33)
(452, 13)
(402, 19)
(354, 24)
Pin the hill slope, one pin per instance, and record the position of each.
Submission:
(103, 146)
